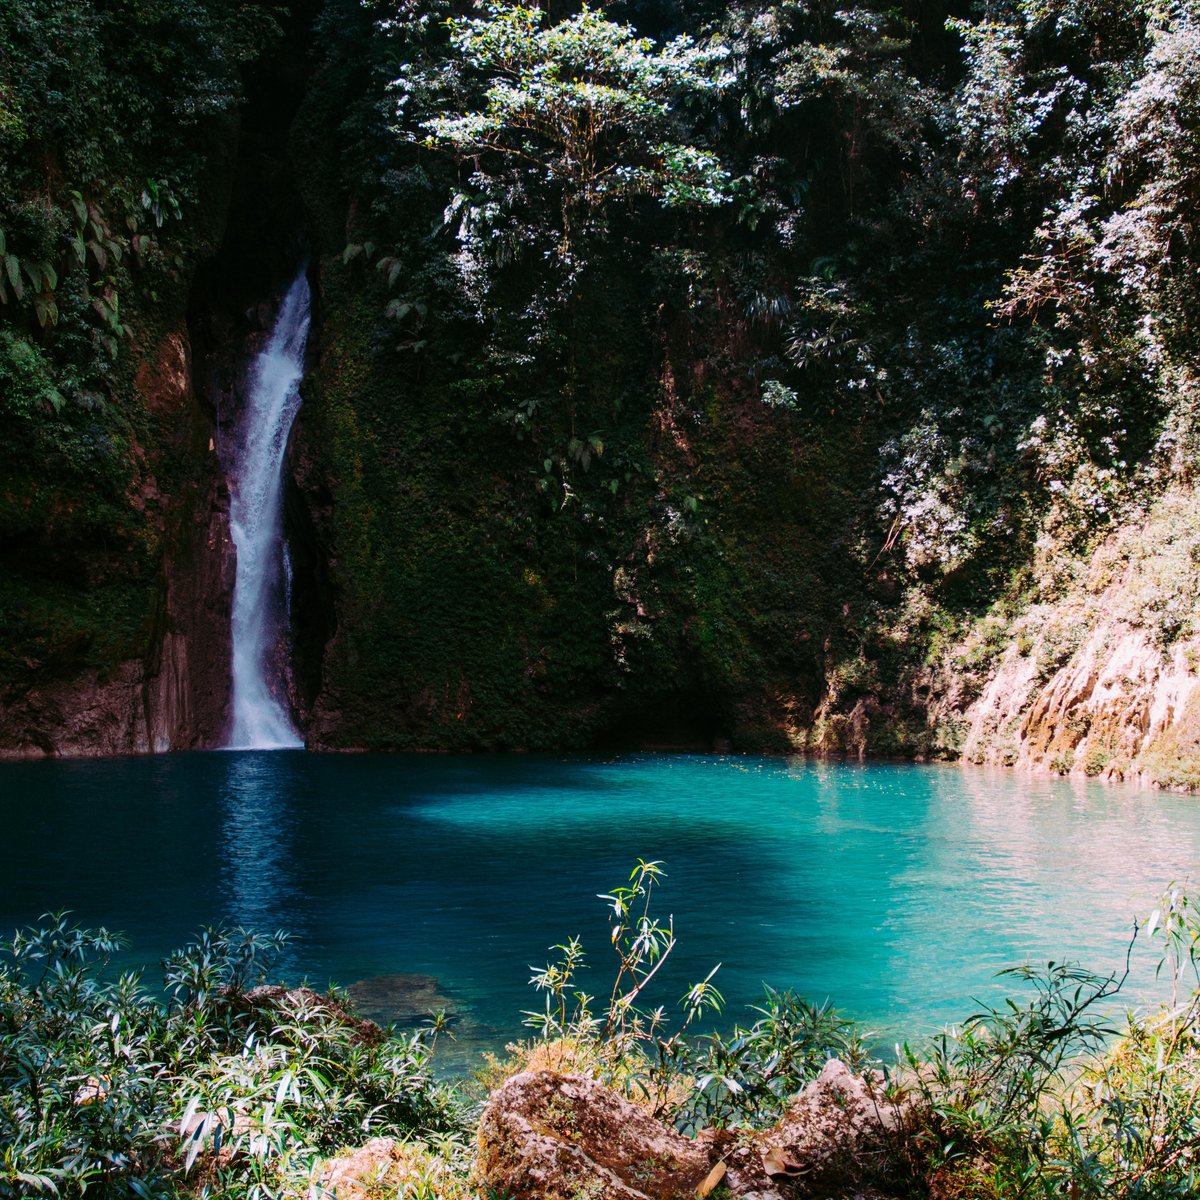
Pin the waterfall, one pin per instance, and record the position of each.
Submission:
(261, 720)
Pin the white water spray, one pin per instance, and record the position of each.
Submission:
(260, 714)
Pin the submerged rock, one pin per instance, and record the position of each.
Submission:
(404, 1000)
(546, 1136)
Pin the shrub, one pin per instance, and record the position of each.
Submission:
(749, 1075)
(1096, 759)
(983, 1092)
(1172, 760)
(108, 1091)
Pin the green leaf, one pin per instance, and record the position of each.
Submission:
(12, 266)
(43, 1183)
(106, 309)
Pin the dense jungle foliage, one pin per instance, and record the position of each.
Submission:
(114, 119)
(685, 372)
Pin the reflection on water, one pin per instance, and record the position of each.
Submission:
(258, 888)
(1048, 871)
(897, 891)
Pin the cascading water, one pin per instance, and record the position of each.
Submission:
(261, 720)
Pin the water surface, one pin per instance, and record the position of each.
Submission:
(894, 890)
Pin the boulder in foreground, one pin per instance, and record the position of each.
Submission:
(547, 1136)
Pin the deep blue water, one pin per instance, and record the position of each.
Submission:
(894, 890)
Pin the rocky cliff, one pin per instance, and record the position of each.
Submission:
(755, 470)
(1100, 681)
(173, 693)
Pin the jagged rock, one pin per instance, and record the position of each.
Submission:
(1098, 714)
(834, 1141)
(546, 1136)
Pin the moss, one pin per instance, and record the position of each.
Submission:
(1096, 760)
(1062, 762)
(1172, 760)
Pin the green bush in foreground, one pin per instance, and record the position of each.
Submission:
(232, 1090)
(1048, 1099)
(108, 1091)
(1041, 1098)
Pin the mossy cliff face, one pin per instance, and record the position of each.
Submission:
(115, 561)
(821, 574)
(115, 592)
(559, 515)
(694, 604)
(719, 597)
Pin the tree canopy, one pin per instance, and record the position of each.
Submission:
(586, 106)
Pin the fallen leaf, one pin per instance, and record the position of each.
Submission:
(777, 1164)
(711, 1180)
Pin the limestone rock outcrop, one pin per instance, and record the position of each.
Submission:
(1099, 676)
(1098, 714)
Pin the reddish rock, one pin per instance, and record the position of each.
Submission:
(546, 1136)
